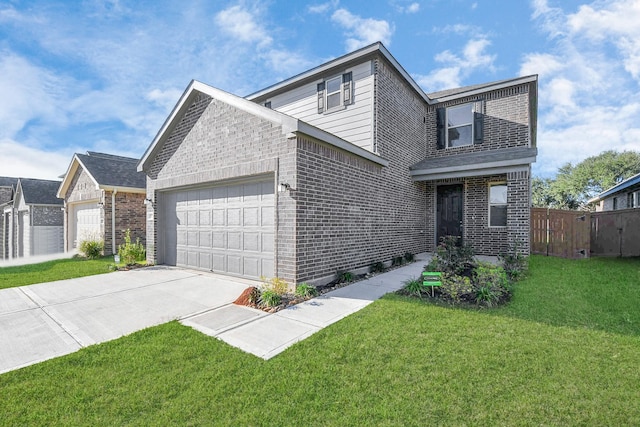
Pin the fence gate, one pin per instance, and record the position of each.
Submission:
(560, 233)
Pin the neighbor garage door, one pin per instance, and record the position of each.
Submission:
(87, 222)
(225, 229)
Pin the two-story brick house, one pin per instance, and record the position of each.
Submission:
(343, 165)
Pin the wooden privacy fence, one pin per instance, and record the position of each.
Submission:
(578, 234)
(560, 233)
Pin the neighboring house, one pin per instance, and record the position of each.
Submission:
(34, 219)
(625, 195)
(7, 190)
(341, 166)
(103, 196)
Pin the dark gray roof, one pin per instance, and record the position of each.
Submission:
(624, 185)
(460, 90)
(6, 181)
(40, 191)
(117, 171)
(478, 158)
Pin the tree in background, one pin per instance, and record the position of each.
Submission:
(575, 185)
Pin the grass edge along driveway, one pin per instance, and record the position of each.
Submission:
(396, 362)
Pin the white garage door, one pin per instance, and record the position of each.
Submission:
(87, 222)
(225, 229)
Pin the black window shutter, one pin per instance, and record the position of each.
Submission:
(346, 88)
(320, 97)
(267, 104)
(442, 129)
(478, 123)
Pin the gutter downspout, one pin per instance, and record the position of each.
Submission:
(113, 221)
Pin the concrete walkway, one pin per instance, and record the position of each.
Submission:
(43, 321)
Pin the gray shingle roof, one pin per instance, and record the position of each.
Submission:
(40, 191)
(6, 181)
(482, 157)
(112, 170)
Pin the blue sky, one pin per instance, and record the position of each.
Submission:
(103, 75)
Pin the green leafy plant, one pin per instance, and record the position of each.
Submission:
(397, 261)
(414, 287)
(344, 276)
(269, 298)
(456, 288)
(91, 248)
(377, 267)
(129, 252)
(409, 257)
(515, 264)
(487, 296)
(453, 257)
(275, 284)
(305, 290)
(254, 296)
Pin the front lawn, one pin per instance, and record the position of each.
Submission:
(547, 358)
(51, 271)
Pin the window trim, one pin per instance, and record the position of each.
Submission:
(338, 92)
(489, 204)
(469, 123)
(345, 92)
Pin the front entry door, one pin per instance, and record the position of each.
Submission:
(449, 215)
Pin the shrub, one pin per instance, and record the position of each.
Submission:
(306, 291)
(453, 257)
(414, 287)
(130, 253)
(514, 263)
(397, 261)
(456, 288)
(377, 267)
(91, 248)
(409, 257)
(486, 296)
(275, 285)
(344, 276)
(269, 298)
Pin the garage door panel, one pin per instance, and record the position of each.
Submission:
(251, 216)
(251, 241)
(234, 240)
(227, 229)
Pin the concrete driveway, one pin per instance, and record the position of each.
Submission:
(39, 322)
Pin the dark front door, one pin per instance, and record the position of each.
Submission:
(449, 215)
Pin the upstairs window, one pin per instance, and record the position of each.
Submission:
(497, 205)
(335, 93)
(460, 125)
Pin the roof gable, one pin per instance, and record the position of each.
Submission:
(629, 182)
(107, 171)
(290, 125)
(38, 191)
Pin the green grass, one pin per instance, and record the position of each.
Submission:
(51, 271)
(545, 359)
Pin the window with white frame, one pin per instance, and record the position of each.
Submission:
(630, 200)
(335, 93)
(460, 125)
(498, 204)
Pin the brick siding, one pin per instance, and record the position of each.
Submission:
(131, 213)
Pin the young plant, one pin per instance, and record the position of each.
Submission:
(91, 248)
(414, 287)
(397, 261)
(344, 276)
(275, 284)
(514, 263)
(377, 267)
(269, 299)
(453, 257)
(305, 290)
(129, 252)
(409, 257)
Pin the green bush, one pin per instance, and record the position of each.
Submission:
(453, 257)
(269, 298)
(414, 287)
(305, 290)
(456, 288)
(275, 284)
(129, 252)
(397, 261)
(514, 263)
(409, 257)
(377, 267)
(344, 276)
(91, 248)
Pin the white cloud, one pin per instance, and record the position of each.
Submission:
(323, 7)
(457, 67)
(242, 24)
(413, 8)
(589, 81)
(21, 161)
(362, 31)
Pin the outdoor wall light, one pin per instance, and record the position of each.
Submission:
(283, 187)
(148, 201)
